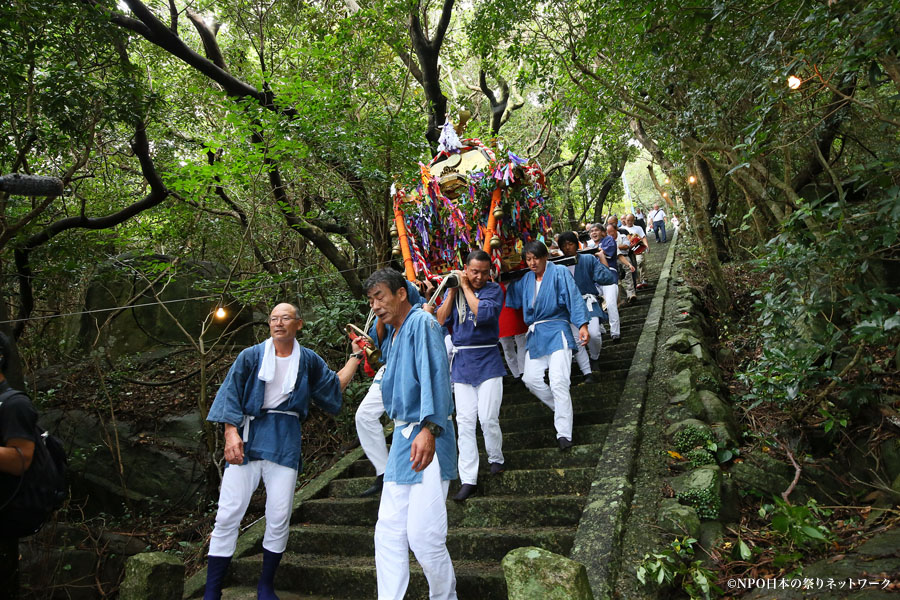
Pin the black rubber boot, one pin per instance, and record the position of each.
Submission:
(216, 568)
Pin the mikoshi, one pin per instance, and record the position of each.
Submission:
(467, 198)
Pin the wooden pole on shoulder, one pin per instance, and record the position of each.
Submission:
(491, 230)
(404, 243)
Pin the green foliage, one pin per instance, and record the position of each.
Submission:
(707, 502)
(691, 437)
(798, 525)
(700, 456)
(676, 567)
(826, 301)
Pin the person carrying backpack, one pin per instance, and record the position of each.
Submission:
(18, 427)
(32, 475)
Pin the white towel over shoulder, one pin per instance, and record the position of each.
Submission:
(267, 368)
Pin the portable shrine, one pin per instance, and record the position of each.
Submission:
(469, 196)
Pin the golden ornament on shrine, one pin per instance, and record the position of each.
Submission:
(495, 242)
(498, 213)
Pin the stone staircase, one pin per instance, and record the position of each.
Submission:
(537, 501)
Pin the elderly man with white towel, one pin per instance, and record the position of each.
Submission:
(262, 402)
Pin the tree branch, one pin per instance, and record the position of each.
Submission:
(158, 193)
(208, 37)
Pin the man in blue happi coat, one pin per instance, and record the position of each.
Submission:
(550, 300)
(262, 402)
(590, 277)
(368, 414)
(472, 309)
(422, 460)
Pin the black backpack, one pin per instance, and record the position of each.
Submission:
(41, 490)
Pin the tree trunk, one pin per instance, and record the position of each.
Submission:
(706, 241)
(711, 196)
(428, 73)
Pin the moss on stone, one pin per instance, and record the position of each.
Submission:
(535, 574)
(153, 576)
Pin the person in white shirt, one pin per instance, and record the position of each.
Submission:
(658, 219)
(596, 232)
(639, 219)
(622, 245)
(634, 229)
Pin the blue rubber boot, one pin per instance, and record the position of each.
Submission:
(216, 568)
(265, 590)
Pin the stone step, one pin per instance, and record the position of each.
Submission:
(580, 455)
(607, 377)
(584, 455)
(464, 543)
(605, 394)
(545, 437)
(514, 482)
(354, 577)
(536, 408)
(249, 593)
(614, 351)
(545, 420)
(478, 511)
(607, 362)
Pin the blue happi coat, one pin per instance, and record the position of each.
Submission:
(415, 299)
(274, 437)
(474, 366)
(589, 273)
(558, 303)
(416, 388)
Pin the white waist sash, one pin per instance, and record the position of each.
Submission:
(245, 424)
(455, 349)
(536, 323)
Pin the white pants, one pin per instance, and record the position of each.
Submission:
(556, 396)
(514, 352)
(594, 345)
(611, 295)
(238, 484)
(581, 353)
(479, 403)
(368, 425)
(414, 517)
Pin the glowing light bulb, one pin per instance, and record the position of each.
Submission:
(665, 194)
(692, 179)
(794, 82)
(220, 313)
(667, 180)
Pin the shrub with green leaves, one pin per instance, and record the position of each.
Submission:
(800, 524)
(675, 567)
(699, 457)
(706, 502)
(692, 437)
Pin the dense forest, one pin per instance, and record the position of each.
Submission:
(250, 146)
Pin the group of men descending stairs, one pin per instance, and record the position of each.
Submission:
(526, 488)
